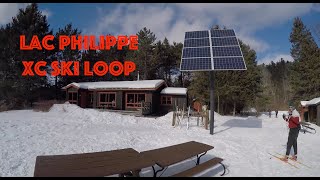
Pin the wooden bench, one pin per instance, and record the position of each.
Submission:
(167, 156)
(122, 162)
(201, 167)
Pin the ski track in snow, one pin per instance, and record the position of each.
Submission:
(242, 142)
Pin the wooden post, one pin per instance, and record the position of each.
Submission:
(174, 118)
(198, 121)
(206, 119)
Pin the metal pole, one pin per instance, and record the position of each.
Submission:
(211, 101)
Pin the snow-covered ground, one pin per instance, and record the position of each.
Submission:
(243, 143)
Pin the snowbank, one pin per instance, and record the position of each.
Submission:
(243, 143)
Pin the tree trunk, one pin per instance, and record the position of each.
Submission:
(218, 104)
(182, 81)
(234, 108)
(145, 68)
(56, 86)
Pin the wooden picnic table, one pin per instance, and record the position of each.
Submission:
(170, 155)
(307, 125)
(92, 164)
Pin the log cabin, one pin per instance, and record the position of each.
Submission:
(311, 110)
(127, 95)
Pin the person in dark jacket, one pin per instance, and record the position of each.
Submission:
(294, 125)
(276, 113)
(269, 113)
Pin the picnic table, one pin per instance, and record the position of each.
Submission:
(164, 157)
(306, 126)
(123, 161)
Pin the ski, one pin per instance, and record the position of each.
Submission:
(283, 160)
(296, 161)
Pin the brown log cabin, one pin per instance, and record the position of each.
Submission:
(127, 95)
(311, 110)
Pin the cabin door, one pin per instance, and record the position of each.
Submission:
(83, 100)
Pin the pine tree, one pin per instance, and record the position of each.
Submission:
(65, 55)
(28, 22)
(278, 86)
(164, 61)
(306, 67)
(182, 79)
(234, 90)
(143, 57)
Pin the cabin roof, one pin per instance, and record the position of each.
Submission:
(313, 101)
(141, 84)
(174, 91)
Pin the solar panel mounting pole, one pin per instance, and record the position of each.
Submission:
(211, 101)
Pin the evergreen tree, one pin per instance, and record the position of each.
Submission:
(277, 86)
(65, 55)
(165, 61)
(182, 79)
(306, 67)
(143, 57)
(28, 22)
(234, 90)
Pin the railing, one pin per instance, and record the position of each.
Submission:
(146, 108)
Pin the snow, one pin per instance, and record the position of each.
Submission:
(145, 84)
(243, 142)
(304, 103)
(174, 90)
(314, 101)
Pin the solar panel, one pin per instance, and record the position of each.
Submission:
(196, 42)
(196, 52)
(196, 64)
(229, 63)
(222, 33)
(211, 50)
(196, 34)
(226, 51)
(225, 41)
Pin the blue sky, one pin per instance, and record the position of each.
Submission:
(265, 27)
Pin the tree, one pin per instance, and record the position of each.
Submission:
(65, 55)
(143, 57)
(276, 83)
(165, 59)
(306, 67)
(182, 79)
(28, 22)
(234, 89)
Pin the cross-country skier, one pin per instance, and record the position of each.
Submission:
(294, 124)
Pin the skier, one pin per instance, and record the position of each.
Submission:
(294, 125)
(269, 113)
(276, 113)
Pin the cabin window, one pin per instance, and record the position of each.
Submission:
(166, 100)
(107, 99)
(73, 97)
(135, 100)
